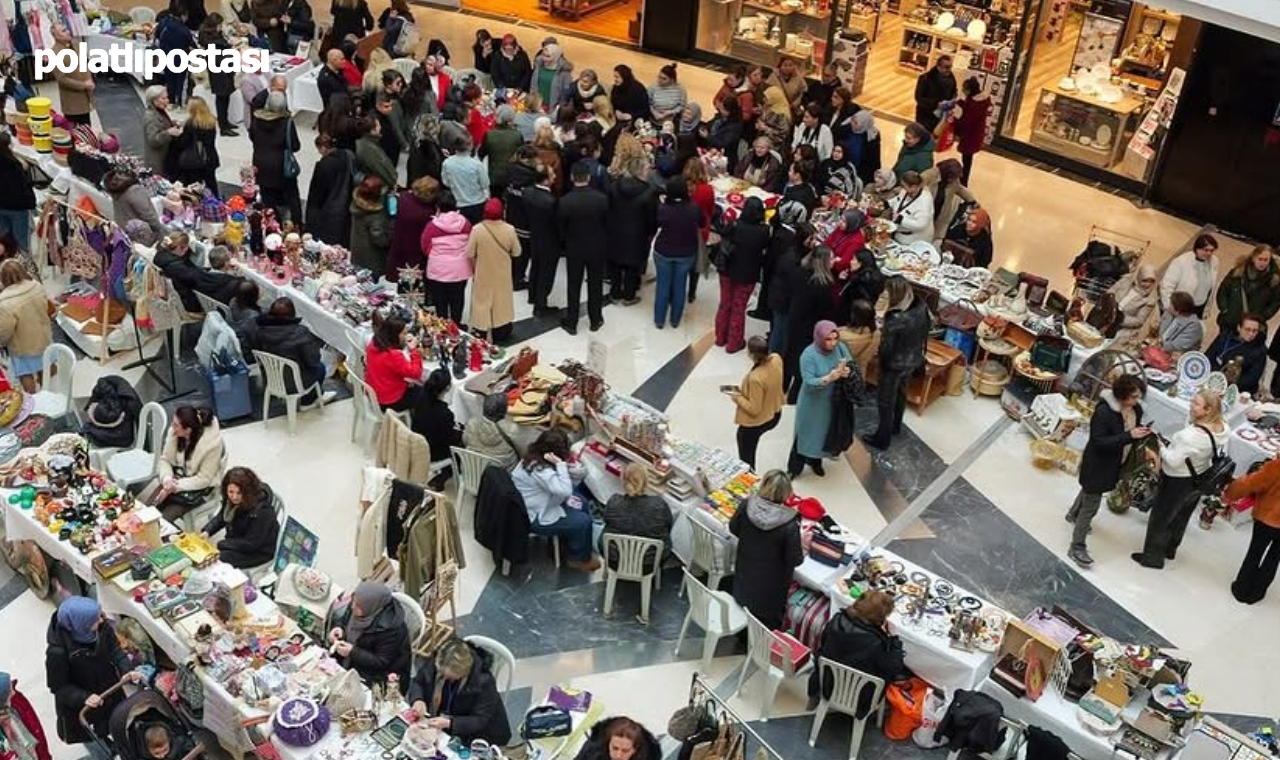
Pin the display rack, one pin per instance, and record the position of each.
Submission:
(575, 10)
(702, 694)
(1083, 127)
(798, 32)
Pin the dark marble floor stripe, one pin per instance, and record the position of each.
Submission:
(662, 386)
(120, 112)
(12, 586)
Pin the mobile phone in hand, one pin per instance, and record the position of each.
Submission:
(729, 389)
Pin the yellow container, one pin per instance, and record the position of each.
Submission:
(42, 144)
(39, 107)
(41, 127)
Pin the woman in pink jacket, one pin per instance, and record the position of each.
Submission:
(444, 243)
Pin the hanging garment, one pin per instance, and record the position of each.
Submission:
(405, 498)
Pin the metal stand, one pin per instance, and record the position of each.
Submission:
(171, 385)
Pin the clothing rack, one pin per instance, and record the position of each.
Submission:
(103, 352)
(755, 747)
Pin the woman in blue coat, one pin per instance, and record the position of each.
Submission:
(821, 365)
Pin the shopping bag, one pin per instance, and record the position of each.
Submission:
(229, 389)
(935, 706)
(906, 701)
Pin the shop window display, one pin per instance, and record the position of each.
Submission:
(762, 31)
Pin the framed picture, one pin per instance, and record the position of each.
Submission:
(1099, 40)
(298, 545)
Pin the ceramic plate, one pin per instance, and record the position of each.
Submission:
(1249, 434)
(1216, 382)
(945, 21)
(1230, 398)
(927, 252)
(1103, 136)
(1193, 367)
(977, 30)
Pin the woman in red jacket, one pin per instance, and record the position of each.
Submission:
(703, 196)
(971, 125)
(845, 241)
(393, 366)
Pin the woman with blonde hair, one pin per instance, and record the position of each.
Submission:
(379, 61)
(455, 692)
(637, 512)
(1189, 453)
(551, 156)
(25, 330)
(627, 149)
(197, 146)
(768, 551)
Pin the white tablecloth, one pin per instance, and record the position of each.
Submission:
(1169, 415)
(930, 657)
(1053, 713)
(304, 92)
(1245, 453)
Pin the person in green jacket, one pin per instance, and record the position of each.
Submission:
(500, 145)
(371, 159)
(370, 225)
(917, 150)
(1251, 287)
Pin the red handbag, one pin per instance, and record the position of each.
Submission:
(1157, 357)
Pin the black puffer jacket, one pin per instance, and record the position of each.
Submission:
(475, 709)
(383, 648)
(111, 417)
(782, 267)
(74, 671)
(768, 553)
(188, 279)
(1104, 453)
(251, 534)
(861, 646)
(633, 220)
(904, 338)
(597, 745)
(289, 339)
(519, 177)
(750, 242)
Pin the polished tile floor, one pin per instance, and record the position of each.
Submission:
(990, 521)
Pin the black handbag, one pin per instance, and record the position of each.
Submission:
(1218, 475)
(189, 499)
(546, 721)
(724, 252)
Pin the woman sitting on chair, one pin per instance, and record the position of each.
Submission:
(248, 516)
(545, 480)
(638, 513)
(456, 692)
(859, 638)
(370, 635)
(189, 464)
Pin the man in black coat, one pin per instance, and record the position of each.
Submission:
(280, 332)
(330, 80)
(173, 259)
(541, 206)
(583, 219)
(455, 692)
(1248, 344)
(523, 174)
(1109, 436)
(903, 341)
(934, 87)
(633, 220)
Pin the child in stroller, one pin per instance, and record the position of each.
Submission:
(146, 727)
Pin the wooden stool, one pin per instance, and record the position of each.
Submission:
(938, 360)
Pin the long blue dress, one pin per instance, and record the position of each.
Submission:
(813, 407)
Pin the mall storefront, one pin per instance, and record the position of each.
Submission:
(1102, 88)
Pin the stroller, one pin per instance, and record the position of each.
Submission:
(131, 718)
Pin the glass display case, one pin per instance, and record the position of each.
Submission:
(762, 31)
(1088, 127)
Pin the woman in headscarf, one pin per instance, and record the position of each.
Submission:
(838, 175)
(823, 362)
(976, 235)
(863, 145)
(552, 76)
(456, 692)
(845, 241)
(690, 118)
(83, 660)
(23, 734)
(761, 167)
(370, 636)
(903, 342)
(1137, 295)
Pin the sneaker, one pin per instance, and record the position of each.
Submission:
(630, 301)
(1080, 556)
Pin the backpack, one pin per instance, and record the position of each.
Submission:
(111, 417)
(1220, 472)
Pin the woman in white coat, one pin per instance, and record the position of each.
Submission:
(1195, 272)
(912, 211)
(811, 131)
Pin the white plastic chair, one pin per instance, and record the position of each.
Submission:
(468, 466)
(368, 415)
(846, 690)
(760, 643)
(211, 305)
(54, 398)
(355, 357)
(631, 553)
(140, 463)
(406, 67)
(414, 618)
(142, 15)
(710, 553)
(260, 573)
(273, 375)
(503, 660)
(715, 612)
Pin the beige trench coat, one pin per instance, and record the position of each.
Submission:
(493, 245)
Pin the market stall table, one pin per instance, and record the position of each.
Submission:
(304, 92)
(1248, 445)
(1167, 415)
(1054, 713)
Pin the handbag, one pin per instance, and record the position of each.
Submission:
(723, 254)
(1051, 354)
(524, 361)
(1157, 358)
(992, 327)
(189, 499)
(194, 157)
(545, 721)
(962, 315)
(291, 167)
(1220, 472)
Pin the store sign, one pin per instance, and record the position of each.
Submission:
(1261, 18)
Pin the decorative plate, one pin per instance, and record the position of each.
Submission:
(1103, 136)
(930, 254)
(951, 271)
(1249, 434)
(1193, 367)
(735, 199)
(976, 30)
(945, 21)
(1217, 382)
(1230, 398)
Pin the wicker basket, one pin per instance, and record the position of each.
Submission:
(988, 378)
